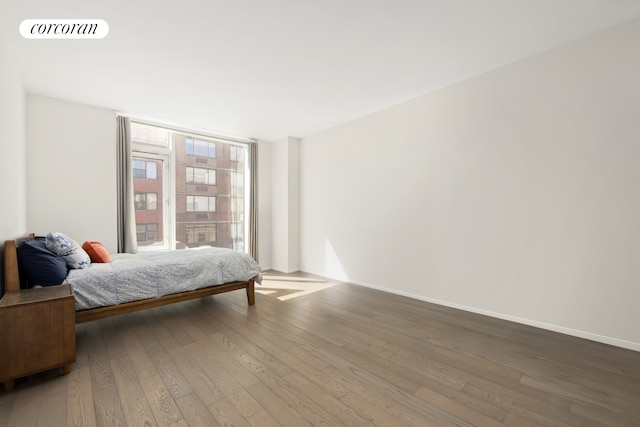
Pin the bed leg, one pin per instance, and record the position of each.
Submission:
(251, 295)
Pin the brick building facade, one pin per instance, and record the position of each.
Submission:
(209, 194)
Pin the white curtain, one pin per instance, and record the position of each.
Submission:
(126, 208)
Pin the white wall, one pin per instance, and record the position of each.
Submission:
(72, 170)
(264, 205)
(515, 193)
(13, 159)
(286, 205)
(13, 166)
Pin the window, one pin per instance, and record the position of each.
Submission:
(146, 201)
(201, 148)
(144, 169)
(201, 176)
(199, 192)
(236, 154)
(200, 233)
(146, 232)
(201, 204)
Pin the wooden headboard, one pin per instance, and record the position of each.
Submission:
(11, 271)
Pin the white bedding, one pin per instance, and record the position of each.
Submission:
(147, 275)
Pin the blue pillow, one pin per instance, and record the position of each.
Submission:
(41, 266)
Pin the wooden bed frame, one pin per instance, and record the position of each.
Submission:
(12, 283)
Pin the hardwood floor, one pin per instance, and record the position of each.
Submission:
(316, 352)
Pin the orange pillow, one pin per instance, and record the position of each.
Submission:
(97, 252)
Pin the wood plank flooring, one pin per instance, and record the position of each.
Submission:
(316, 352)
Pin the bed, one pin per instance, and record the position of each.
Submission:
(108, 289)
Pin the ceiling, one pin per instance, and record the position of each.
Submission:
(268, 69)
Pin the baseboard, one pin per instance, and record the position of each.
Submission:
(280, 270)
(630, 345)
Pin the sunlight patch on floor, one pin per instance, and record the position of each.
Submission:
(291, 286)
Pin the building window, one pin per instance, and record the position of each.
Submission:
(201, 176)
(147, 232)
(236, 153)
(200, 233)
(200, 148)
(146, 201)
(237, 179)
(201, 204)
(144, 169)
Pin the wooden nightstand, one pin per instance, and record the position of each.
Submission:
(37, 332)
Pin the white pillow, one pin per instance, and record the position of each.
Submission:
(69, 249)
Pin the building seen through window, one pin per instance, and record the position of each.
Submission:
(188, 191)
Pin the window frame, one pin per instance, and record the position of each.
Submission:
(167, 153)
(164, 156)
